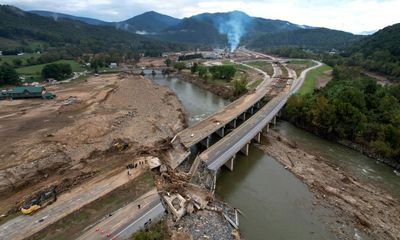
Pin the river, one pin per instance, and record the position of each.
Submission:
(275, 204)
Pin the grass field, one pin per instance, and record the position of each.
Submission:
(300, 65)
(35, 71)
(309, 63)
(311, 79)
(10, 58)
(264, 66)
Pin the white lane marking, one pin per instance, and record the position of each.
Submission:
(130, 225)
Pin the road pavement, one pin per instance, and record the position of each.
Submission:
(223, 150)
(205, 128)
(24, 226)
(127, 220)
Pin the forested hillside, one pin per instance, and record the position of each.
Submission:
(20, 28)
(317, 38)
(379, 52)
(57, 16)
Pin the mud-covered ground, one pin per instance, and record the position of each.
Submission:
(93, 126)
(356, 203)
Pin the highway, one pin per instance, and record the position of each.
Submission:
(222, 151)
(127, 220)
(25, 226)
(299, 82)
(205, 128)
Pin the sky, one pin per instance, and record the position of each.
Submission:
(354, 16)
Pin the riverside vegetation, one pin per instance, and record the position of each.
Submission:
(352, 107)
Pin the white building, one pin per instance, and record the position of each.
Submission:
(113, 65)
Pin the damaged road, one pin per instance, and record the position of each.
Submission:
(93, 127)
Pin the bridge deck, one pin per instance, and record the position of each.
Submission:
(205, 128)
(223, 150)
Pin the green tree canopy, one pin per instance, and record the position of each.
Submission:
(57, 71)
(8, 75)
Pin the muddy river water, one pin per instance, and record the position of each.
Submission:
(275, 204)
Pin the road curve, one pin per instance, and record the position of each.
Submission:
(196, 133)
(222, 151)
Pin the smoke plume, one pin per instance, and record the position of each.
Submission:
(234, 27)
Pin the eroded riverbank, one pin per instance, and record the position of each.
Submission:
(289, 210)
(224, 91)
(355, 201)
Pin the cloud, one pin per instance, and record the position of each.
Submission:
(349, 15)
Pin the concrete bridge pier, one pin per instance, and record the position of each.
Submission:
(267, 127)
(257, 137)
(274, 120)
(258, 105)
(206, 142)
(243, 116)
(245, 149)
(221, 132)
(251, 110)
(233, 123)
(229, 163)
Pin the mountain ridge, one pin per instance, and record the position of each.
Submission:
(222, 28)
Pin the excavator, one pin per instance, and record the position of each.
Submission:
(41, 200)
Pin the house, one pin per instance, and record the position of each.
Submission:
(27, 92)
(4, 94)
(113, 65)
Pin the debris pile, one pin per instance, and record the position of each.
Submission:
(70, 100)
(194, 210)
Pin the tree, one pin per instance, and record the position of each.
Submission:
(17, 62)
(226, 72)
(323, 116)
(168, 62)
(179, 66)
(240, 85)
(194, 68)
(8, 75)
(58, 71)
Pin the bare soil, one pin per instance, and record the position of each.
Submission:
(324, 79)
(299, 68)
(110, 120)
(359, 204)
(152, 62)
(382, 80)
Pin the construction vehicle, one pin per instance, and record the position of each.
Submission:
(41, 200)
